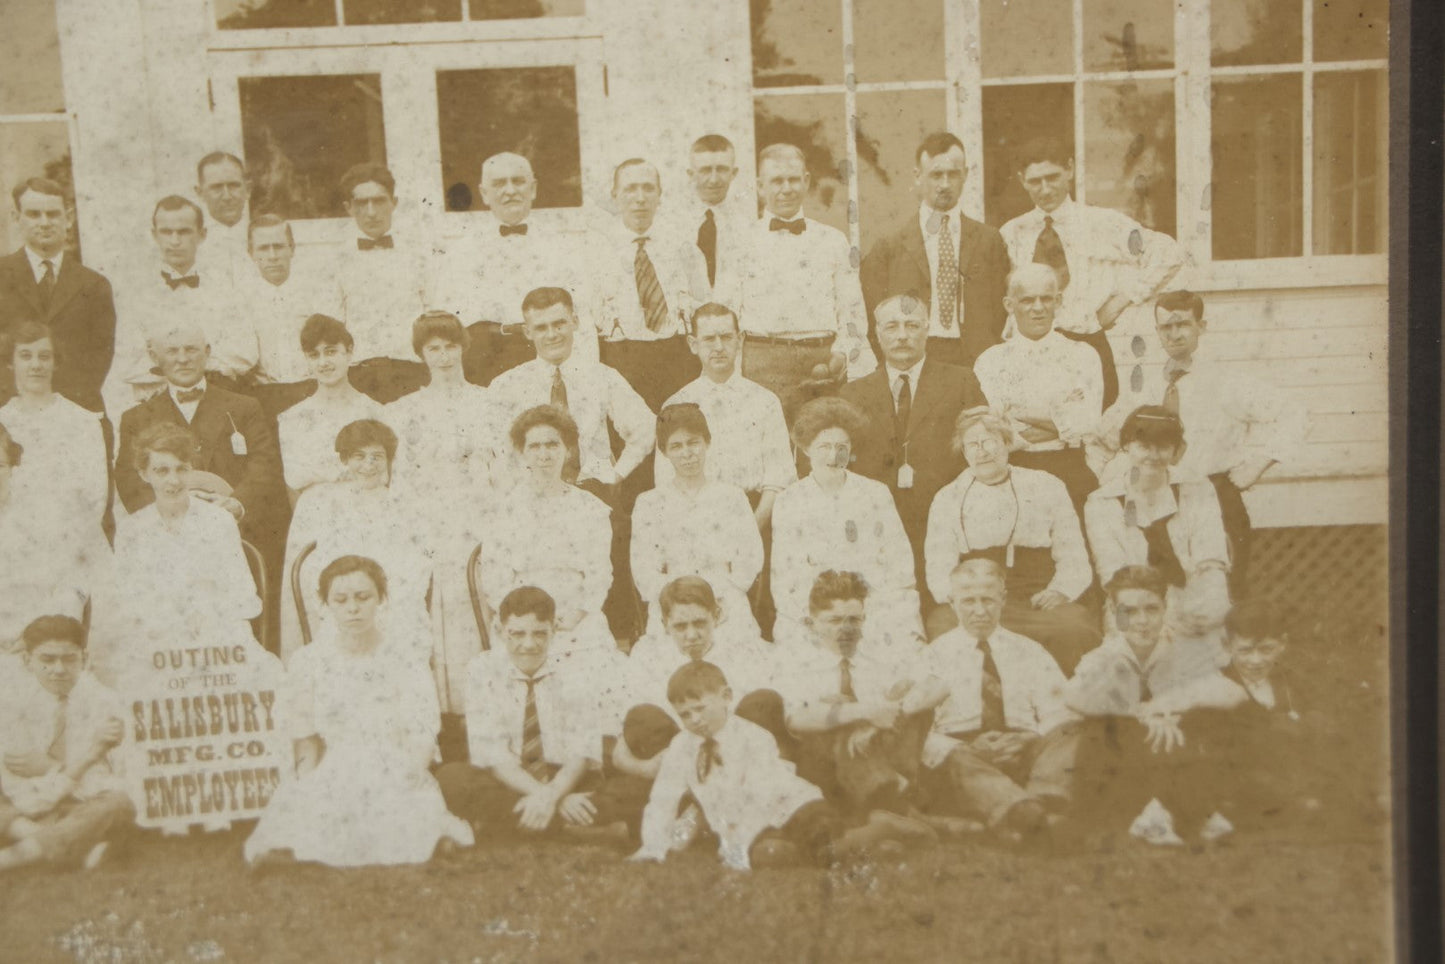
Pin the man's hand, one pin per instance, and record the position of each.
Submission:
(578, 809)
(1048, 599)
(1246, 474)
(884, 715)
(1164, 734)
(111, 734)
(1001, 748)
(1109, 312)
(226, 502)
(860, 739)
(534, 811)
(29, 765)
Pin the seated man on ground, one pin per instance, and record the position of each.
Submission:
(760, 809)
(1002, 739)
(61, 776)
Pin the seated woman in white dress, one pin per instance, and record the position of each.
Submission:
(363, 714)
(181, 576)
(691, 525)
(360, 515)
(448, 461)
(307, 429)
(1154, 515)
(550, 534)
(836, 519)
(65, 462)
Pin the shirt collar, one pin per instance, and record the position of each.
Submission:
(1060, 214)
(926, 215)
(173, 389)
(170, 272)
(912, 374)
(768, 217)
(36, 262)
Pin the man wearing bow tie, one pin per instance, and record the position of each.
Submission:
(381, 281)
(801, 304)
(483, 278)
(45, 283)
(646, 282)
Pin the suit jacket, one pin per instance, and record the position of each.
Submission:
(254, 476)
(942, 392)
(81, 317)
(898, 265)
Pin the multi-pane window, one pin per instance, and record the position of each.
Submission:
(257, 14)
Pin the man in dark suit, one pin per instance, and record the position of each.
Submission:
(956, 266)
(912, 402)
(43, 282)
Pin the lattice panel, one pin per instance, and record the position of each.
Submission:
(1334, 578)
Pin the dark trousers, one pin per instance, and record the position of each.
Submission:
(387, 379)
(492, 349)
(787, 369)
(656, 370)
(477, 796)
(1236, 530)
(623, 605)
(969, 782)
(813, 828)
(1068, 466)
(1099, 341)
(1116, 773)
(949, 351)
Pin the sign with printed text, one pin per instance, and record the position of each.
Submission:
(205, 744)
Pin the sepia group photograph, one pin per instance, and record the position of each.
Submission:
(664, 480)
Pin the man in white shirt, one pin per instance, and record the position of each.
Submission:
(1001, 738)
(1106, 261)
(183, 292)
(279, 301)
(1049, 387)
(714, 218)
(483, 278)
(801, 304)
(224, 189)
(382, 286)
(645, 283)
(1236, 427)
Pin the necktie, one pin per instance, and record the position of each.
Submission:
(947, 277)
(56, 750)
(1161, 548)
(189, 281)
(572, 466)
(47, 283)
(993, 720)
(845, 680)
(904, 406)
(507, 230)
(187, 395)
(792, 227)
(371, 244)
(531, 756)
(707, 758)
(649, 289)
(1171, 394)
(1049, 250)
(707, 244)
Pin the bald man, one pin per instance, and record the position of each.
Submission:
(483, 278)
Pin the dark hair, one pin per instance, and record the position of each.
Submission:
(636, 162)
(217, 157)
(1146, 578)
(824, 413)
(1181, 300)
(268, 221)
(1257, 619)
(438, 324)
(527, 600)
(711, 143)
(367, 173)
(174, 202)
(1041, 150)
(345, 566)
(680, 417)
(25, 333)
(357, 435)
(713, 309)
(165, 437)
(1153, 425)
(687, 590)
(325, 330)
(40, 185)
(939, 142)
(13, 449)
(695, 679)
(543, 415)
(47, 629)
(834, 586)
(540, 299)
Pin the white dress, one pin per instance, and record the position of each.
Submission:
(64, 468)
(371, 799)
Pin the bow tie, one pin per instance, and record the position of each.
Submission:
(368, 244)
(507, 230)
(186, 396)
(792, 227)
(190, 281)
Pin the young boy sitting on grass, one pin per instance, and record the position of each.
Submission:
(61, 776)
(762, 812)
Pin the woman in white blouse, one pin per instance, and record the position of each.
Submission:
(550, 534)
(1022, 519)
(836, 519)
(693, 526)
